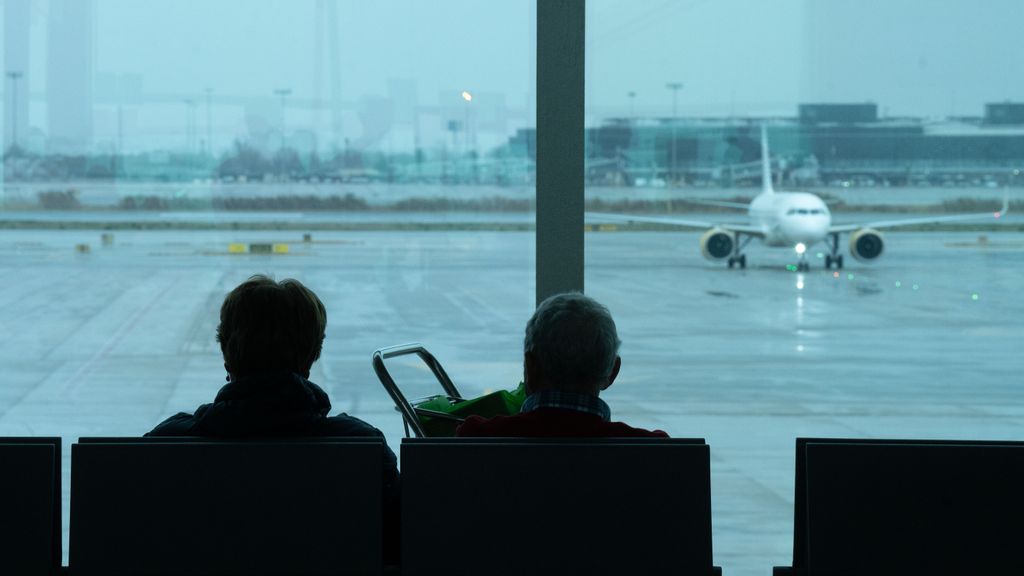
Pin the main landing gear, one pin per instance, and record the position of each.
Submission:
(738, 258)
(834, 257)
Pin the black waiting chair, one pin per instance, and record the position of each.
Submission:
(30, 529)
(556, 506)
(182, 506)
(905, 506)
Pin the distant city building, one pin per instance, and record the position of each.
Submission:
(69, 76)
(16, 46)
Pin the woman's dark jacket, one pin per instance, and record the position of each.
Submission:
(285, 404)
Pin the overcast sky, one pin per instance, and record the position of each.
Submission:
(734, 57)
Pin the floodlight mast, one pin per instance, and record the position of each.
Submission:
(14, 76)
(675, 87)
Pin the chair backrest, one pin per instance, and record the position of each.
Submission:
(896, 509)
(800, 477)
(158, 506)
(30, 529)
(556, 506)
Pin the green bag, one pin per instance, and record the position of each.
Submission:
(500, 403)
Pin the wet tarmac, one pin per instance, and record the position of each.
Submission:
(924, 343)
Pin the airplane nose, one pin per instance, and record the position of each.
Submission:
(807, 231)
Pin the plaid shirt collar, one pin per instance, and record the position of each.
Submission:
(567, 401)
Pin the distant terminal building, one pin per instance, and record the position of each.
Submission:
(1005, 114)
(838, 113)
(831, 144)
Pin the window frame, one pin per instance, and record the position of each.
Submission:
(561, 29)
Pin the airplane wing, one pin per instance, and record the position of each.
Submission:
(626, 219)
(925, 220)
(719, 203)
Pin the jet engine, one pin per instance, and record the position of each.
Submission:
(866, 244)
(717, 244)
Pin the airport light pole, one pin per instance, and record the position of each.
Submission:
(209, 122)
(119, 157)
(468, 147)
(283, 94)
(189, 124)
(14, 76)
(675, 87)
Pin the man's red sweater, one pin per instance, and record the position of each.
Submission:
(551, 422)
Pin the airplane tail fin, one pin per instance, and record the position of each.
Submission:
(766, 163)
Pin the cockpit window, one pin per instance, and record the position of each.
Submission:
(804, 211)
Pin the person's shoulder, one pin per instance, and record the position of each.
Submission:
(621, 429)
(345, 425)
(181, 424)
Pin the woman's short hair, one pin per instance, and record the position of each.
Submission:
(271, 326)
(573, 340)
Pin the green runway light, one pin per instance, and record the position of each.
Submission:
(899, 284)
(821, 254)
(974, 296)
(791, 267)
(849, 276)
(916, 286)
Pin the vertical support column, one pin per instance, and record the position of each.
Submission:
(561, 27)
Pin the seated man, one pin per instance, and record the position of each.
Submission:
(570, 356)
(270, 334)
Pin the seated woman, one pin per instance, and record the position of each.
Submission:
(271, 333)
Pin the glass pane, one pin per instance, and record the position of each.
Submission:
(875, 112)
(158, 153)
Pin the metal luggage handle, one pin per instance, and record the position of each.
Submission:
(409, 413)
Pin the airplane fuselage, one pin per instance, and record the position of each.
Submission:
(790, 218)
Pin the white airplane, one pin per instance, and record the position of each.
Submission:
(797, 220)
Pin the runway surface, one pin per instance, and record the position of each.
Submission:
(923, 344)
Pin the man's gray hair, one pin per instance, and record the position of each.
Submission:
(573, 340)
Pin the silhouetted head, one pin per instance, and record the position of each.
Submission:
(268, 326)
(571, 344)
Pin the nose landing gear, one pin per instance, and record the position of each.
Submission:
(801, 251)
